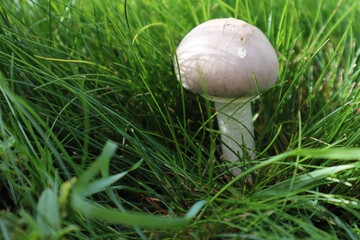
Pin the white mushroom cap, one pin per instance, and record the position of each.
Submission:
(221, 56)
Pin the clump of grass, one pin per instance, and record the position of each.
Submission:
(75, 75)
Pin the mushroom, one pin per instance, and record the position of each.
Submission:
(219, 59)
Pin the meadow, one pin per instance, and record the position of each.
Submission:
(98, 139)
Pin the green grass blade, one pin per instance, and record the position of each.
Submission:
(130, 218)
(101, 185)
(299, 183)
(48, 216)
(100, 164)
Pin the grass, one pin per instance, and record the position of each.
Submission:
(99, 140)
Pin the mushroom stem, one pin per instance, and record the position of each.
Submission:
(237, 131)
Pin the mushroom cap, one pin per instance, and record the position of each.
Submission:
(221, 56)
